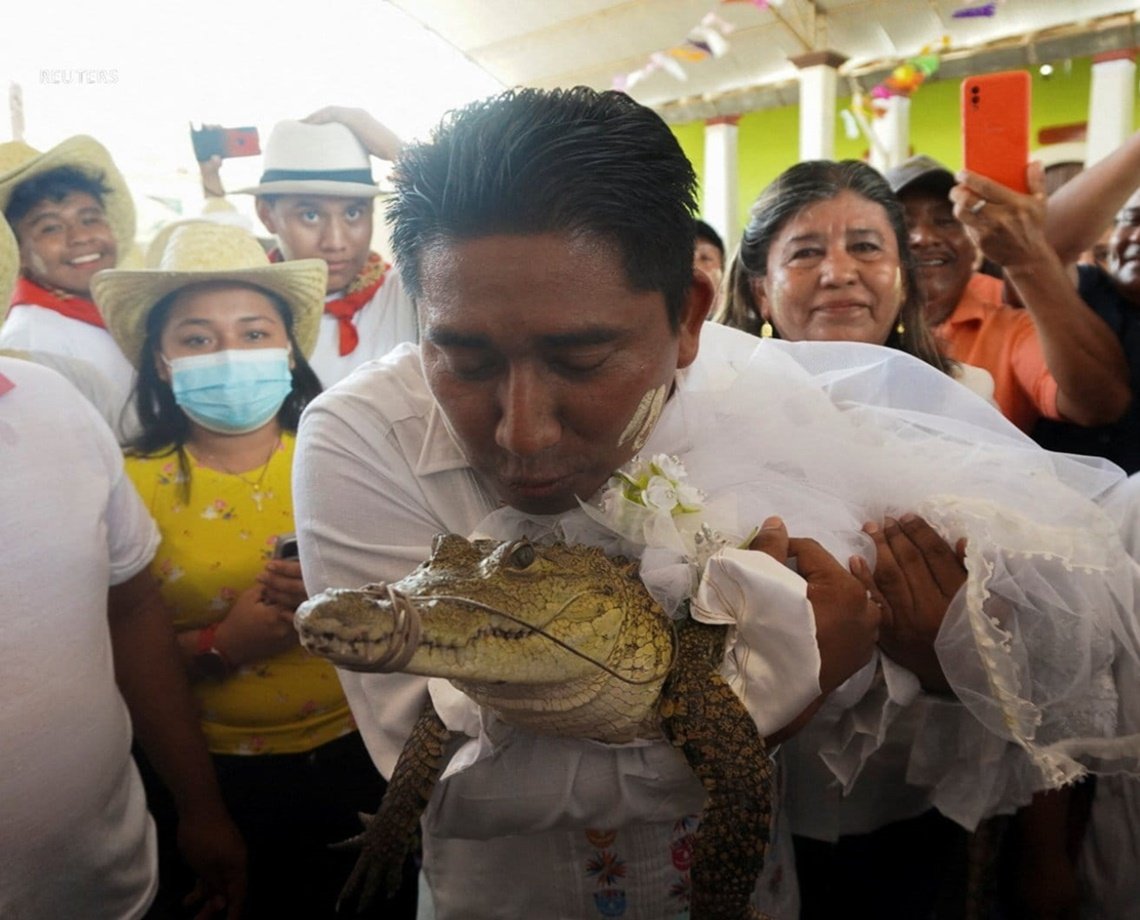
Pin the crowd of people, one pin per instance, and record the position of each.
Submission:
(920, 410)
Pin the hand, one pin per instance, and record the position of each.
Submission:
(211, 171)
(282, 585)
(377, 139)
(846, 619)
(1010, 227)
(213, 848)
(254, 630)
(916, 576)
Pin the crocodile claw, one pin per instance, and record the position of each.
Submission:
(378, 866)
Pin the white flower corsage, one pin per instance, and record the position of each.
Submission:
(651, 504)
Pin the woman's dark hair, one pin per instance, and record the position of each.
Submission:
(795, 189)
(54, 185)
(165, 427)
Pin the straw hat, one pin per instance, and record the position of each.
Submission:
(305, 159)
(9, 263)
(200, 251)
(19, 162)
(156, 248)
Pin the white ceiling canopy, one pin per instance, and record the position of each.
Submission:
(642, 45)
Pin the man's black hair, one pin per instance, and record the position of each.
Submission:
(709, 235)
(54, 185)
(567, 161)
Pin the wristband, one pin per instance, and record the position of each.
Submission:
(210, 660)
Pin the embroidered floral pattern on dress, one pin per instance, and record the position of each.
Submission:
(213, 549)
(218, 509)
(170, 474)
(681, 855)
(607, 869)
(223, 600)
(169, 572)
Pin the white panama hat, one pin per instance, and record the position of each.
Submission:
(201, 251)
(301, 159)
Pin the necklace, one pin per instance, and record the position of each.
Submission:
(255, 484)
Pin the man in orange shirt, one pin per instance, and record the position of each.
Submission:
(1054, 359)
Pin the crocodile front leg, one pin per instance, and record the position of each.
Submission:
(702, 717)
(389, 835)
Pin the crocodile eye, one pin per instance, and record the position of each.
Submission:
(522, 556)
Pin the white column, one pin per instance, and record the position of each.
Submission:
(1112, 96)
(892, 134)
(817, 75)
(718, 189)
(16, 110)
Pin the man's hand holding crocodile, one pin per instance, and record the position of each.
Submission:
(847, 618)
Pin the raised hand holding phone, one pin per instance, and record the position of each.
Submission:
(1007, 226)
(995, 127)
(216, 141)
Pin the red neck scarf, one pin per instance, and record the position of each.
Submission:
(69, 305)
(361, 290)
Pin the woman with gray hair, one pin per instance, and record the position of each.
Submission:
(825, 258)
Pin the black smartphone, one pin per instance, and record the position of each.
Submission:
(286, 547)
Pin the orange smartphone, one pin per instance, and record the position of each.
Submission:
(995, 127)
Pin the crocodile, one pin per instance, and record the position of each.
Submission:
(557, 639)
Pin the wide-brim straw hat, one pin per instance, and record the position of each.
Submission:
(306, 159)
(9, 264)
(152, 255)
(205, 251)
(19, 163)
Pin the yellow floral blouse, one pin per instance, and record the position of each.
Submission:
(213, 547)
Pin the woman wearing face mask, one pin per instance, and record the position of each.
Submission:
(219, 338)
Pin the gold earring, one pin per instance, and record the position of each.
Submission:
(765, 330)
(900, 328)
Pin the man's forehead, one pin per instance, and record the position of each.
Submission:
(321, 202)
(550, 283)
(508, 260)
(75, 199)
(921, 197)
(48, 208)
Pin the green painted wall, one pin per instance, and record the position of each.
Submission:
(769, 139)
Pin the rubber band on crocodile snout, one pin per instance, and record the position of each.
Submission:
(406, 629)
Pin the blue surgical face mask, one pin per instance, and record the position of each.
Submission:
(233, 391)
